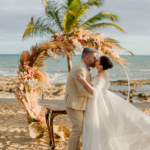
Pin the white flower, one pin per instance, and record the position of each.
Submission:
(31, 82)
(78, 46)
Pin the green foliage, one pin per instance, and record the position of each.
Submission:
(103, 25)
(69, 2)
(38, 28)
(100, 16)
(67, 16)
(70, 16)
(53, 13)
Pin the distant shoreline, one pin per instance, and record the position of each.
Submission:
(76, 54)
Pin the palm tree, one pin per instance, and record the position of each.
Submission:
(67, 17)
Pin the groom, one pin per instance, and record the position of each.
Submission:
(76, 95)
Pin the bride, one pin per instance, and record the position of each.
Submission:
(110, 122)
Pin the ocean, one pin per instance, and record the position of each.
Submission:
(139, 68)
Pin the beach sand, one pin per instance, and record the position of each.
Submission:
(13, 132)
(14, 135)
(13, 118)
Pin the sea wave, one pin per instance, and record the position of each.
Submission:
(58, 71)
(143, 70)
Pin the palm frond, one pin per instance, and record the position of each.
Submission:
(130, 52)
(70, 15)
(77, 10)
(115, 43)
(64, 7)
(86, 6)
(38, 27)
(100, 16)
(103, 25)
(97, 3)
(69, 2)
(53, 12)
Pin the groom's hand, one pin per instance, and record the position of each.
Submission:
(80, 78)
(82, 90)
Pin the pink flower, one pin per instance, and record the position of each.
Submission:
(60, 38)
(70, 38)
(41, 119)
(21, 87)
(25, 73)
(80, 36)
(75, 41)
(21, 100)
(31, 72)
(116, 56)
(85, 38)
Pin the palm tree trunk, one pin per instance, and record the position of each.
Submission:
(69, 59)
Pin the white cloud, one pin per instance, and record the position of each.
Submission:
(134, 19)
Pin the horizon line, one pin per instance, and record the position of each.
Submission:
(80, 54)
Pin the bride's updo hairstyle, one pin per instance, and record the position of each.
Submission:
(105, 62)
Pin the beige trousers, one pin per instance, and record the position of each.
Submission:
(76, 117)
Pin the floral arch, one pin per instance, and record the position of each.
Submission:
(30, 73)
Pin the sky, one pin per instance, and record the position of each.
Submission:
(133, 18)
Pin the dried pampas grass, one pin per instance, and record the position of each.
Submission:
(25, 57)
(42, 76)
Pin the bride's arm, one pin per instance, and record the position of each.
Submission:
(81, 79)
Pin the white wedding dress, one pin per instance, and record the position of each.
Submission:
(112, 123)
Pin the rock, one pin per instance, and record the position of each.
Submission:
(133, 92)
(132, 82)
(124, 92)
(131, 100)
(143, 95)
(11, 90)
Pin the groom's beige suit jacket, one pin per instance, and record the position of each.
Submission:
(76, 94)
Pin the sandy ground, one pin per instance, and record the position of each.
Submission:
(13, 121)
(13, 133)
